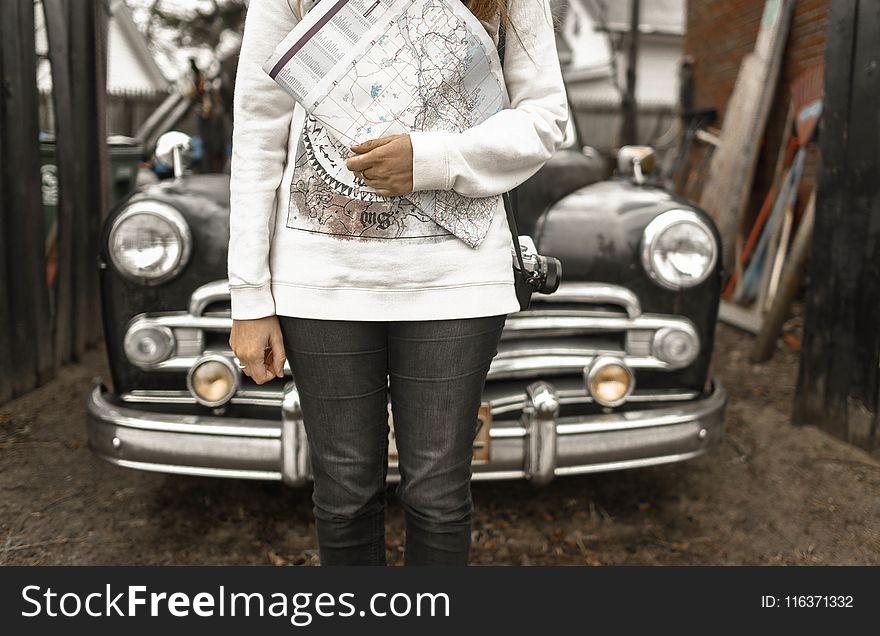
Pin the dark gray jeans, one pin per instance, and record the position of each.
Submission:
(436, 371)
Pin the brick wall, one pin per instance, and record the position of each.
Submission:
(720, 33)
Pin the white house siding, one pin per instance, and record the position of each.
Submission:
(592, 91)
(127, 70)
(135, 83)
(130, 66)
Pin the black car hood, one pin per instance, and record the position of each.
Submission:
(214, 187)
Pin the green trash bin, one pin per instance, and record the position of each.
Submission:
(49, 178)
(125, 156)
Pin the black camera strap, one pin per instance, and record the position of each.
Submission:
(511, 222)
(509, 197)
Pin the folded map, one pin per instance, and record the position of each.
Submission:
(371, 68)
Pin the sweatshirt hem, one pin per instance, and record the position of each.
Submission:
(427, 303)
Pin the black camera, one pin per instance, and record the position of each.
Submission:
(545, 272)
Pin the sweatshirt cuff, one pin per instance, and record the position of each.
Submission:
(250, 303)
(430, 161)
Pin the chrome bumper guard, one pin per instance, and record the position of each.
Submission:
(539, 447)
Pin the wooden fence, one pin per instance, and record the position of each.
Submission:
(126, 112)
(42, 327)
(839, 376)
(25, 329)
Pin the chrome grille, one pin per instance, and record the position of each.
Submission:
(559, 334)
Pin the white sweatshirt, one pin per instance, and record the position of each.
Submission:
(298, 248)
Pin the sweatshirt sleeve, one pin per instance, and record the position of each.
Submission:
(507, 148)
(262, 113)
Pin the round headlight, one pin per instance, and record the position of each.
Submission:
(146, 345)
(678, 249)
(150, 242)
(213, 380)
(609, 381)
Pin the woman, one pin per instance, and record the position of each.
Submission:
(371, 300)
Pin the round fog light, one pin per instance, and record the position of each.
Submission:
(146, 345)
(609, 381)
(213, 380)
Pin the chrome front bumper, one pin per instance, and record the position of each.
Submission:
(538, 446)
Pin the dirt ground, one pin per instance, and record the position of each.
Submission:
(771, 493)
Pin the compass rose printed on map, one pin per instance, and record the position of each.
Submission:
(321, 203)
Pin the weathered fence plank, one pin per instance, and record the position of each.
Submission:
(88, 76)
(838, 380)
(732, 167)
(5, 309)
(76, 48)
(26, 344)
(59, 56)
(864, 163)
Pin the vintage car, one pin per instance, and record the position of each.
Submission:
(608, 372)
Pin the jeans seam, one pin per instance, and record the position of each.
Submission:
(479, 369)
(336, 353)
(340, 397)
(379, 528)
(446, 338)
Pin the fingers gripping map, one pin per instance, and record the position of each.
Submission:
(364, 69)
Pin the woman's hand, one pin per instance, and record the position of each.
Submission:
(258, 345)
(385, 164)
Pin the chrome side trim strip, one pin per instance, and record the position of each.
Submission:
(519, 325)
(183, 320)
(193, 471)
(499, 405)
(501, 475)
(535, 350)
(214, 292)
(176, 423)
(595, 293)
(561, 365)
(244, 397)
(630, 463)
(498, 475)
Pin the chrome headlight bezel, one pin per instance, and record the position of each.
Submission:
(655, 230)
(175, 221)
